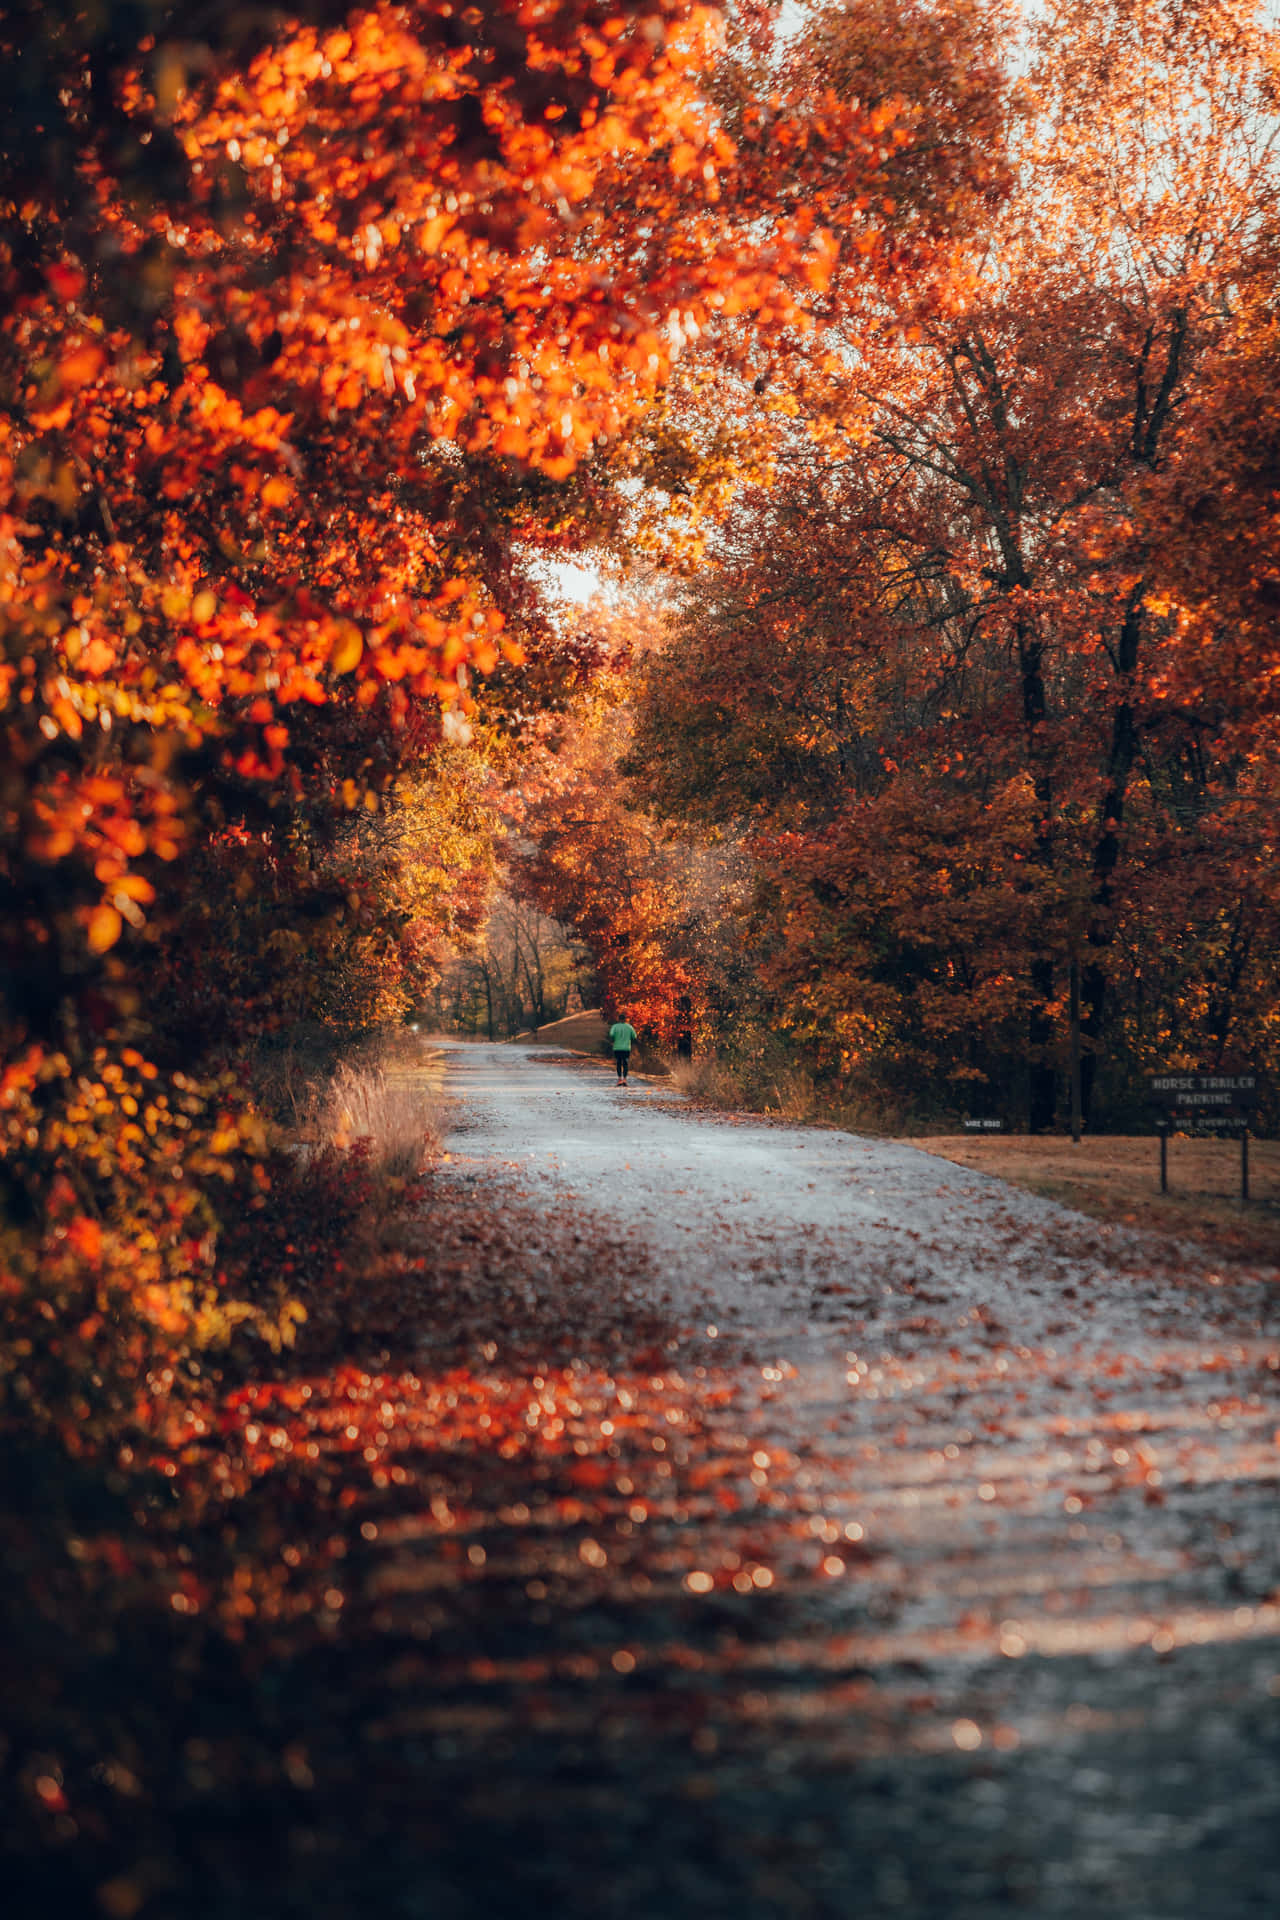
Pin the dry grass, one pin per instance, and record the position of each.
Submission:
(763, 1079)
(385, 1089)
(707, 1081)
(288, 1081)
(1117, 1177)
(780, 1092)
(393, 1109)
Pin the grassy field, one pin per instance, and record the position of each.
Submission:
(1117, 1177)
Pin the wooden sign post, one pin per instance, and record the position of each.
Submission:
(1204, 1100)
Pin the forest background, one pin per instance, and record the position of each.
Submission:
(908, 379)
(957, 702)
(920, 367)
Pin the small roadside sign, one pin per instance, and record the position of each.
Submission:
(1204, 1099)
(1205, 1093)
(983, 1126)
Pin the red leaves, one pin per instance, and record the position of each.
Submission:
(66, 279)
(84, 1236)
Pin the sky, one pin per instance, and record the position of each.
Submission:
(570, 581)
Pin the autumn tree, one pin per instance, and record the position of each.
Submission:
(318, 326)
(940, 673)
(306, 331)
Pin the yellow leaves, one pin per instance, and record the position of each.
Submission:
(348, 648)
(54, 846)
(104, 928)
(84, 1236)
(97, 658)
(819, 264)
(431, 233)
(126, 834)
(80, 365)
(575, 183)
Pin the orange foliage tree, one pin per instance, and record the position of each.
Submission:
(316, 326)
(970, 670)
(592, 861)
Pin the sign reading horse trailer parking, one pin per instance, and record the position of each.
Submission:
(1204, 1093)
(1204, 1102)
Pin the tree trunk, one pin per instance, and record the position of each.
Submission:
(1042, 1079)
(1106, 852)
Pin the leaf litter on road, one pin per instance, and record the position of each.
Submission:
(557, 1565)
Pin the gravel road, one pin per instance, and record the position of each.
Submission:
(939, 1573)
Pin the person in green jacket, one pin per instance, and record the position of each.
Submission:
(622, 1037)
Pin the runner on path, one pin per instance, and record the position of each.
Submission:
(622, 1037)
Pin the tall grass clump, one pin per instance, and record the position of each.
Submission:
(394, 1111)
(758, 1074)
(382, 1092)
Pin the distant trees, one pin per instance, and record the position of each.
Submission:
(525, 972)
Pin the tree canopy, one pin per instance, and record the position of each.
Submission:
(319, 326)
(979, 657)
(933, 348)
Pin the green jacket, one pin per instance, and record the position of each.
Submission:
(621, 1036)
